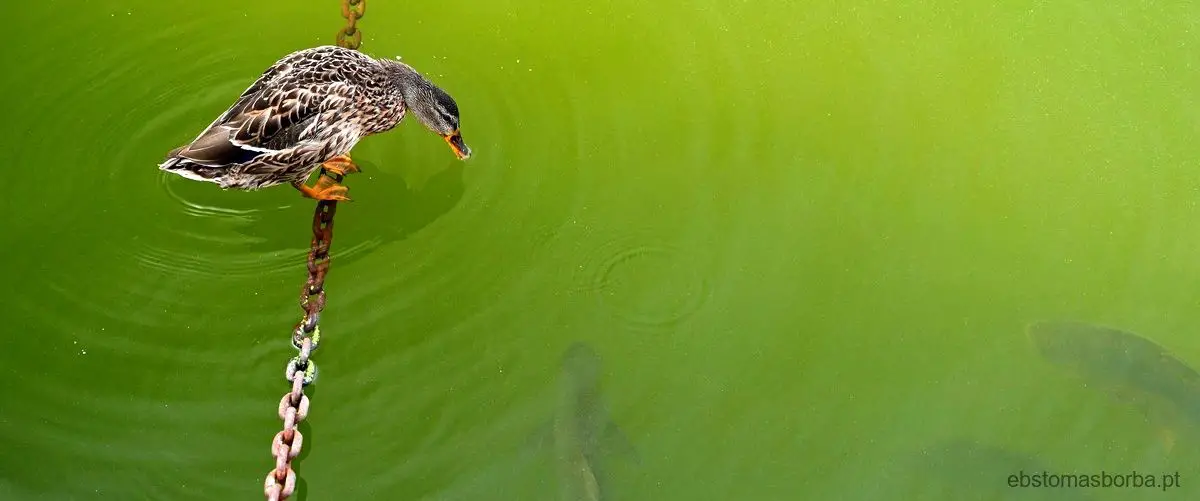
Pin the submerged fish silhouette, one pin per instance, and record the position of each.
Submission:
(1132, 369)
(582, 431)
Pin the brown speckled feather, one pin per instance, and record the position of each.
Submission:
(310, 106)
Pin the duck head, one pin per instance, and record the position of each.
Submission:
(432, 106)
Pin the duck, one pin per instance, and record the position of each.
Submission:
(306, 112)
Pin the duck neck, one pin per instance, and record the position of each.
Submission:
(406, 78)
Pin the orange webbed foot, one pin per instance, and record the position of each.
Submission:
(341, 165)
(324, 189)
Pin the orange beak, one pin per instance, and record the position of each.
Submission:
(455, 140)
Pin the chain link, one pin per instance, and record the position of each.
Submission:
(301, 371)
(350, 37)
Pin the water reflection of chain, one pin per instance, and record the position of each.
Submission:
(350, 37)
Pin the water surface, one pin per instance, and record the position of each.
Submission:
(804, 237)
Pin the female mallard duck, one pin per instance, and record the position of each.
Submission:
(307, 111)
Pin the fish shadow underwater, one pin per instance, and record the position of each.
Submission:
(581, 437)
(1130, 369)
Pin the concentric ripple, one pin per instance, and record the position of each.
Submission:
(153, 321)
(648, 285)
(108, 318)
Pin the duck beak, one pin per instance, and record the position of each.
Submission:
(455, 140)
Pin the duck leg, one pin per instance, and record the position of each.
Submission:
(324, 189)
(341, 165)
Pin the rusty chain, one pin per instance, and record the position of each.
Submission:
(352, 10)
(280, 483)
(301, 371)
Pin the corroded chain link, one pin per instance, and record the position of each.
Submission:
(350, 36)
(312, 295)
(301, 371)
(293, 408)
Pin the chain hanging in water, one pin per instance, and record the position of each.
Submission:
(350, 37)
(301, 371)
(280, 483)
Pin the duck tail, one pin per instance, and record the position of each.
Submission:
(173, 160)
(187, 168)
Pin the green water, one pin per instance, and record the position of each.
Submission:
(804, 237)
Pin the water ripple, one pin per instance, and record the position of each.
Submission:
(113, 297)
(439, 266)
(646, 285)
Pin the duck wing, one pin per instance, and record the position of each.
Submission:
(279, 111)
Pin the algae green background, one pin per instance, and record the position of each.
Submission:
(805, 237)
